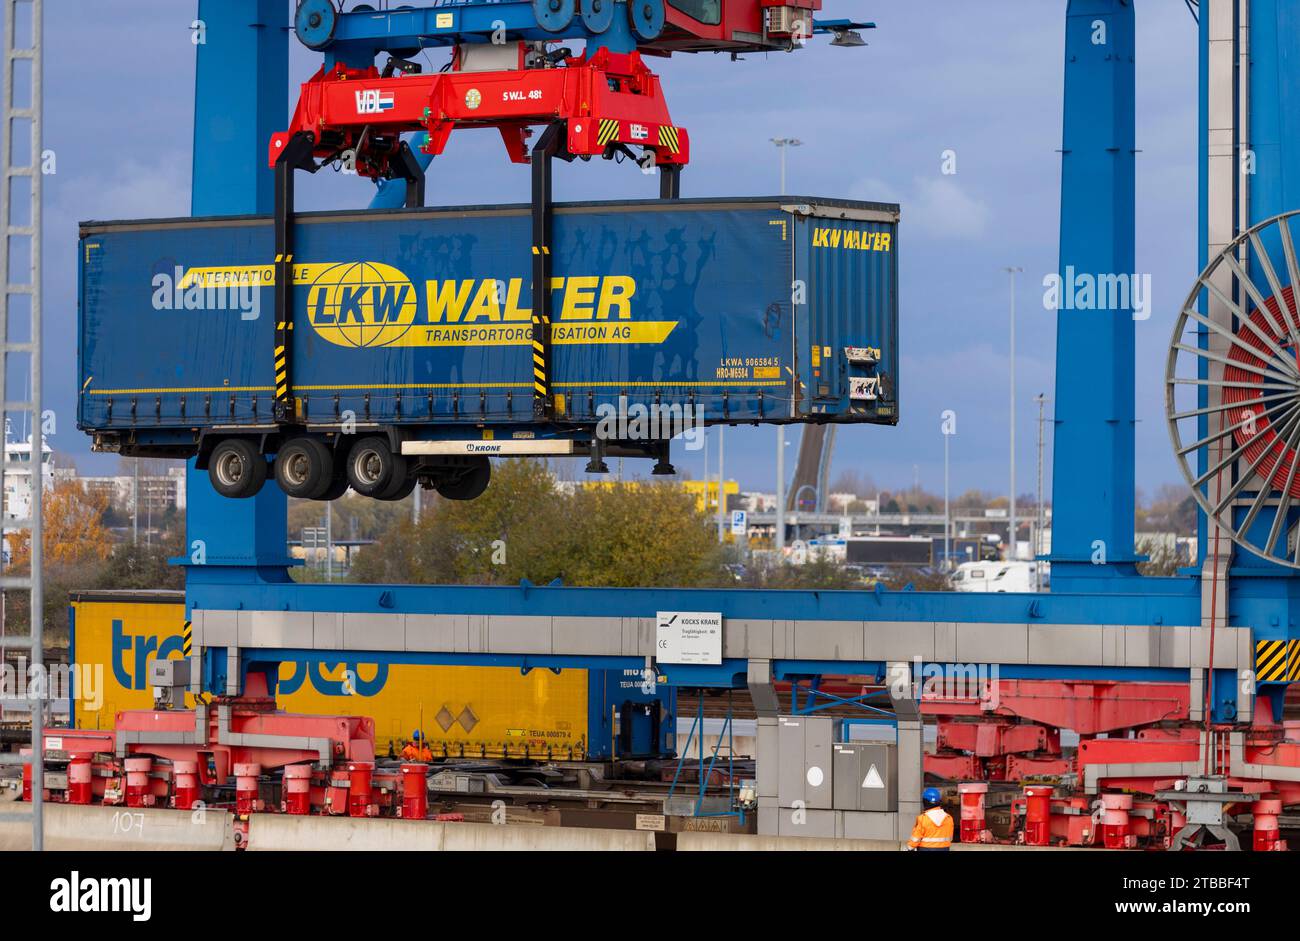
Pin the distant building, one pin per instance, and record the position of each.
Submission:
(18, 473)
(158, 493)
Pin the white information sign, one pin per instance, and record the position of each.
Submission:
(688, 637)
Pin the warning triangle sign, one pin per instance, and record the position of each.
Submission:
(873, 779)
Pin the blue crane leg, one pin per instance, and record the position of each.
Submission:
(1093, 477)
(239, 102)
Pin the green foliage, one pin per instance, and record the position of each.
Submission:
(524, 527)
(355, 517)
(819, 574)
(127, 567)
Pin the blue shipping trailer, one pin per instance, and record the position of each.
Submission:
(411, 351)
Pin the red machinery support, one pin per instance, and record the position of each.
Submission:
(415, 791)
(1013, 730)
(1038, 815)
(1267, 835)
(360, 792)
(973, 829)
(246, 777)
(187, 792)
(138, 772)
(296, 799)
(80, 789)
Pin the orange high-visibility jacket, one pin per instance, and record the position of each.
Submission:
(412, 752)
(933, 830)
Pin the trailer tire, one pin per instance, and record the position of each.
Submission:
(237, 468)
(373, 469)
(304, 468)
(469, 485)
(338, 486)
(400, 491)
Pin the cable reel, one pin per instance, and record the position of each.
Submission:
(1232, 390)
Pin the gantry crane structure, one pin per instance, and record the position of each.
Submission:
(1176, 686)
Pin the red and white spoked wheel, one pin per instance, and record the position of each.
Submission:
(1232, 390)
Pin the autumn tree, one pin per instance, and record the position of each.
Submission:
(640, 534)
(73, 529)
(76, 547)
(525, 527)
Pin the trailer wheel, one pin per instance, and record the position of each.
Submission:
(400, 491)
(236, 468)
(471, 484)
(373, 468)
(338, 486)
(304, 468)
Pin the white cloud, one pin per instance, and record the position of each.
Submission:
(938, 207)
(126, 190)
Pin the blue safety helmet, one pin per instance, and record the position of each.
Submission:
(417, 735)
(931, 797)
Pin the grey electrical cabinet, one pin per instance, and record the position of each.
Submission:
(806, 761)
(866, 776)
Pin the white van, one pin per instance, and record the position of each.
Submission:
(998, 576)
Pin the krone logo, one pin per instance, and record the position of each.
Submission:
(361, 304)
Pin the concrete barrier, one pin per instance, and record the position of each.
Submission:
(697, 842)
(272, 832)
(482, 836)
(116, 828)
(688, 842)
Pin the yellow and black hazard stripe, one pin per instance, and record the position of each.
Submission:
(283, 337)
(668, 139)
(187, 639)
(608, 131)
(541, 380)
(541, 334)
(1277, 661)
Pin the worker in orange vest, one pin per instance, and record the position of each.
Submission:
(416, 749)
(933, 830)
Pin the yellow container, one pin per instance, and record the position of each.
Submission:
(471, 711)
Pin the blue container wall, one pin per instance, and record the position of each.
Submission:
(850, 269)
(608, 693)
(424, 316)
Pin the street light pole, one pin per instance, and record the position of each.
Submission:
(1011, 511)
(782, 145)
(1041, 399)
(721, 498)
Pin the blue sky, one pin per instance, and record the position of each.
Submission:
(982, 79)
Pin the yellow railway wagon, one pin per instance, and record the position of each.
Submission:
(471, 711)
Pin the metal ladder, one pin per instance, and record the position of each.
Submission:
(20, 247)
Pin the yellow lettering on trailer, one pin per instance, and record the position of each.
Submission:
(616, 292)
(446, 300)
(855, 240)
(486, 304)
(513, 310)
(579, 298)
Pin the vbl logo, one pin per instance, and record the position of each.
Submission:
(373, 101)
